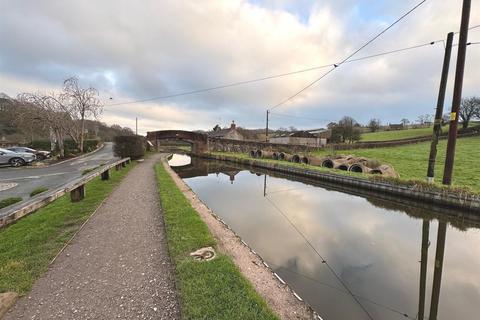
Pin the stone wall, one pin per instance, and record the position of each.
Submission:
(228, 145)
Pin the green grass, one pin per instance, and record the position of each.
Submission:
(398, 134)
(38, 191)
(208, 290)
(28, 246)
(9, 201)
(411, 161)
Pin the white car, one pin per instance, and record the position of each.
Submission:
(16, 159)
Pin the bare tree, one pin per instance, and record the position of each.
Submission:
(405, 122)
(19, 118)
(80, 103)
(49, 110)
(347, 130)
(292, 129)
(469, 109)
(374, 125)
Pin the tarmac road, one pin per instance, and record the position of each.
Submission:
(19, 182)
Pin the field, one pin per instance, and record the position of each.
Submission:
(398, 134)
(411, 161)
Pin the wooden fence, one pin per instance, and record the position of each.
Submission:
(76, 189)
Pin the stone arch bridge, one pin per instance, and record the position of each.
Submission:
(199, 141)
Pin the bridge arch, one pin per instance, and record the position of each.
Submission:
(199, 141)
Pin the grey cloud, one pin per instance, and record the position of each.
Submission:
(131, 51)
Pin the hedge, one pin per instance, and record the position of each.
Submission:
(129, 146)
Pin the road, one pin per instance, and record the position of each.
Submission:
(19, 182)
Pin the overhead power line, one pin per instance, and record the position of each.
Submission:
(471, 28)
(239, 83)
(335, 66)
(324, 261)
(391, 309)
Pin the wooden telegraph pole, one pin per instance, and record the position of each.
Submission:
(266, 127)
(457, 93)
(437, 127)
(452, 139)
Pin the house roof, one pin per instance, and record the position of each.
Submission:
(296, 134)
(320, 130)
(219, 133)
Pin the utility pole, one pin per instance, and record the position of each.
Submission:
(265, 185)
(136, 126)
(437, 127)
(457, 93)
(266, 127)
(423, 268)
(438, 269)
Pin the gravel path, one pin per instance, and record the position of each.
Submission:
(117, 267)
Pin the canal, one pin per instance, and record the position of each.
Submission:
(348, 254)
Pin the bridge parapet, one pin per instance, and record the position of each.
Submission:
(198, 140)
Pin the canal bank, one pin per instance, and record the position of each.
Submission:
(416, 191)
(278, 296)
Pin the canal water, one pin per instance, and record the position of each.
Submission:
(349, 256)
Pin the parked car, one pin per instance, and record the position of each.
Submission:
(41, 155)
(16, 159)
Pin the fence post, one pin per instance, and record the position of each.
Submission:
(77, 194)
(106, 175)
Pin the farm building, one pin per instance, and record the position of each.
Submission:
(314, 138)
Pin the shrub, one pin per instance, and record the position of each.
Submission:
(129, 146)
(9, 201)
(37, 191)
(40, 145)
(70, 146)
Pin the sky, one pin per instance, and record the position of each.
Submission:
(131, 50)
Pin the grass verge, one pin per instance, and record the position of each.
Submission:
(28, 246)
(208, 290)
(38, 191)
(9, 201)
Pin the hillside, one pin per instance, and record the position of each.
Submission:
(398, 134)
(24, 133)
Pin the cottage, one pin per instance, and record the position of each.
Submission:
(231, 133)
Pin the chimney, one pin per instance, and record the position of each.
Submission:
(233, 126)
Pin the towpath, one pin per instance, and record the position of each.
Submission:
(117, 267)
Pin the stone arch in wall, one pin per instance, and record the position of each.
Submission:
(198, 141)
